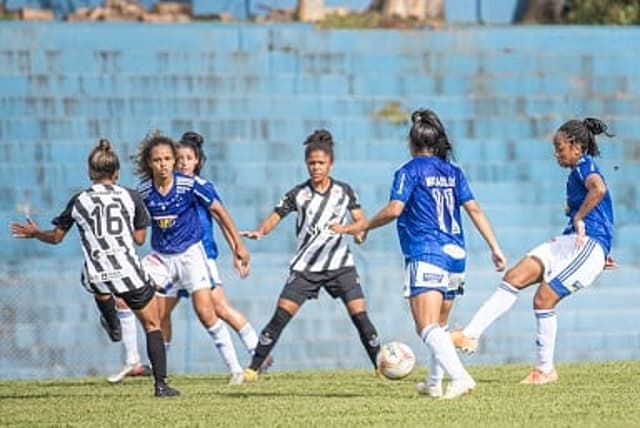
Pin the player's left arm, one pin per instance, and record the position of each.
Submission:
(482, 224)
(29, 229)
(356, 227)
(232, 236)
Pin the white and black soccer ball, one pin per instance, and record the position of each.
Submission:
(395, 360)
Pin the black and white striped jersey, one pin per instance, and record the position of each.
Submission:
(319, 249)
(107, 216)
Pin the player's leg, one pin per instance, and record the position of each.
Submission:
(425, 308)
(145, 304)
(285, 311)
(570, 270)
(109, 320)
(166, 304)
(133, 365)
(230, 314)
(433, 384)
(527, 271)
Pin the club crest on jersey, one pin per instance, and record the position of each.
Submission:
(165, 222)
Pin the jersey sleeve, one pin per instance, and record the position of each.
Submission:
(141, 218)
(287, 204)
(204, 191)
(65, 220)
(586, 168)
(464, 191)
(403, 184)
(354, 200)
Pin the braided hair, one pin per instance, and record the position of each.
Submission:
(583, 132)
(427, 131)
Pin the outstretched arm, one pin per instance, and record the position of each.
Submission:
(481, 222)
(267, 225)
(30, 229)
(232, 236)
(386, 215)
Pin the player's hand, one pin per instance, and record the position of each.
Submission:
(359, 238)
(581, 233)
(241, 261)
(610, 263)
(251, 234)
(24, 230)
(499, 260)
(338, 228)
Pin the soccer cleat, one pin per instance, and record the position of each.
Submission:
(268, 362)
(114, 332)
(164, 390)
(459, 387)
(236, 379)
(378, 373)
(434, 391)
(142, 370)
(538, 377)
(250, 375)
(468, 345)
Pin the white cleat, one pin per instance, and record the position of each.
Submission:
(126, 370)
(459, 387)
(236, 379)
(434, 391)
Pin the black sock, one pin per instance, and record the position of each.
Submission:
(269, 336)
(157, 355)
(108, 310)
(368, 335)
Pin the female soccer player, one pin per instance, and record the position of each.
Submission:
(191, 158)
(178, 256)
(323, 258)
(110, 220)
(426, 197)
(564, 264)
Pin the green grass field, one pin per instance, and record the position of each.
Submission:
(587, 395)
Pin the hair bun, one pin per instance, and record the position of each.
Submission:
(596, 126)
(192, 137)
(320, 136)
(104, 144)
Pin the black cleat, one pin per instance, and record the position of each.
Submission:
(115, 333)
(164, 390)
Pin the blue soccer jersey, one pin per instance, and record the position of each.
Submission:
(430, 228)
(206, 221)
(175, 223)
(599, 221)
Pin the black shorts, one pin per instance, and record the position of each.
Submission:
(343, 283)
(138, 298)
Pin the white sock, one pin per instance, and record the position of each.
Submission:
(439, 342)
(547, 325)
(129, 336)
(436, 372)
(221, 337)
(249, 337)
(493, 308)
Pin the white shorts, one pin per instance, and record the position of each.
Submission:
(187, 271)
(567, 269)
(422, 276)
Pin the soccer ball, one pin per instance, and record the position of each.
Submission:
(395, 360)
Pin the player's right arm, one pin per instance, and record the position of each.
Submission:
(29, 229)
(267, 225)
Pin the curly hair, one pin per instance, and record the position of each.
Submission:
(142, 158)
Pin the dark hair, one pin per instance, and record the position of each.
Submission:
(428, 132)
(584, 132)
(141, 159)
(321, 139)
(103, 161)
(194, 141)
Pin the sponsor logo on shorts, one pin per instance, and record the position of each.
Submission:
(432, 277)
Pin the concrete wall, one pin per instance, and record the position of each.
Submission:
(255, 93)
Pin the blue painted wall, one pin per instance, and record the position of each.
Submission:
(255, 92)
